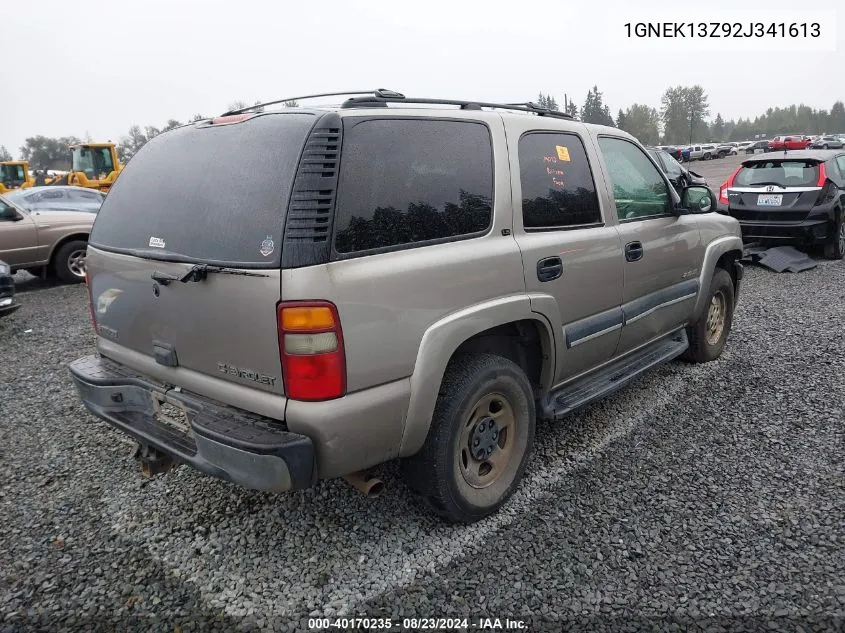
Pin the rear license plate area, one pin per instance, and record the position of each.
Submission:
(172, 414)
(769, 200)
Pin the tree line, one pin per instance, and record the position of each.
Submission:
(683, 118)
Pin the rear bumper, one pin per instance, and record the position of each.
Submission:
(247, 449)
(817, 230)
(7, 295)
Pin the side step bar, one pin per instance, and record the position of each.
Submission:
(614, 376)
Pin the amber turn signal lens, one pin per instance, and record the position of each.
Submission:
(307, 318)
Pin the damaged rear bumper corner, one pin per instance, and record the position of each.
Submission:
(235, 445)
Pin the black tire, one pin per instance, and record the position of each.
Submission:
(706, 157)
(441, 472)
(835, 249)
(66, 259)
(704, 345)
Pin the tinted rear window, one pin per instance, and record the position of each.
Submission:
(214, 194)
(557, 184)
(786, 173)
(412, 182)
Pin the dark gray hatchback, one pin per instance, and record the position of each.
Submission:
(790, 198)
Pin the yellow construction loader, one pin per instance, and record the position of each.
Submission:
(93, 165)
(14, 174)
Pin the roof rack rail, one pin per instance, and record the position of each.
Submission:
(377, 92)
(381, 97)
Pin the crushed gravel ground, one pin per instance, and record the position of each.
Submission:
(706, 497)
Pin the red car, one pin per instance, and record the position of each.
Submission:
(789, 142)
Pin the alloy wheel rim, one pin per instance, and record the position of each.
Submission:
(76, 263)
(716, 315)
(487, 441)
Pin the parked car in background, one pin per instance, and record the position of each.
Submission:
(726, 149)
(57, 198)
(7, 290)
(741, 147)
(678, 175)
(44, 230)
(708, 152)
(674, 151)
(827, 142)
(792, 142)
(696, 152)
(758, 147)
(426, 317)
(797, 199)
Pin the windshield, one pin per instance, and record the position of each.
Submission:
(95, 162)
(12, 175)
(213, 194)
(785, 173)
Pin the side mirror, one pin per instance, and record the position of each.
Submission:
(8, 214)
(698, 199)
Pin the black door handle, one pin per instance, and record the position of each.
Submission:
(549, 268)
(633, 251)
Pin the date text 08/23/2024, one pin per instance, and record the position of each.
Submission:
(418, 624)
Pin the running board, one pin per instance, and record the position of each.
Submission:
(614, 376)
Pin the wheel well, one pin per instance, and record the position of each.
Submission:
(69, 238)
(726, 262)
(522, 342)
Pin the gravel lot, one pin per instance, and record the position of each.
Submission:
(704, 495)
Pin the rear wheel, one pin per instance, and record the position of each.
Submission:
(479, 441)
(835, 249)
(69, 262)
(708, 335)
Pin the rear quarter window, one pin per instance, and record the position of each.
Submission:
(411, 182)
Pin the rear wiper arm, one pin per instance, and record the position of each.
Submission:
(763, 184)
(200, 272)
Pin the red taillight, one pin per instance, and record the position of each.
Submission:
(311, 349)
(723, 190)
(822, 175)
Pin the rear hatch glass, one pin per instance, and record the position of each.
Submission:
(782, 173)
(213, 194)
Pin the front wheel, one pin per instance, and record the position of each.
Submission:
(835, 249)
(480, 438)
(69, 262)
(708, 335)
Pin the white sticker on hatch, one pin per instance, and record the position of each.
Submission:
(267, 246)
(157, 242)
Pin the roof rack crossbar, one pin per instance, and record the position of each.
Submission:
(382, 96)
(377, 92)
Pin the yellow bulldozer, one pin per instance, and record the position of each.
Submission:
(93, 165)
(14, 174)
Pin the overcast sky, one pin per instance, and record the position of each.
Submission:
(97, 67)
